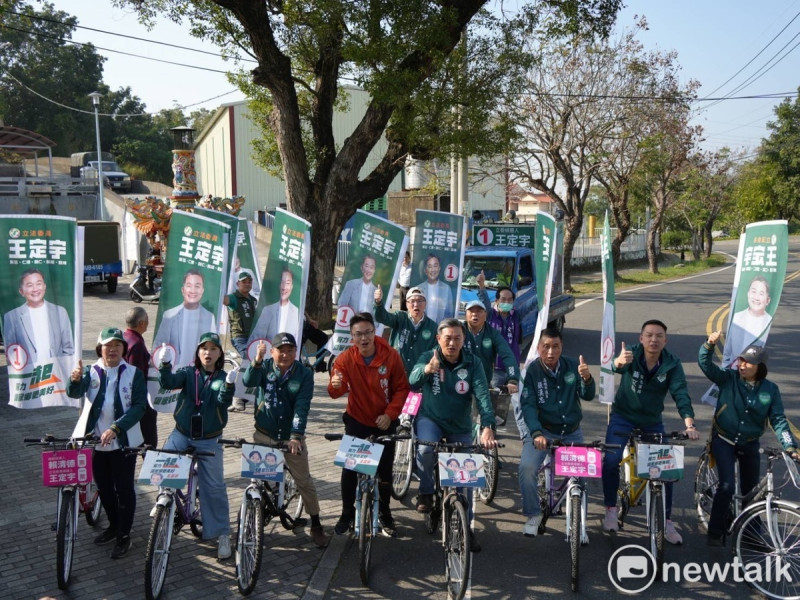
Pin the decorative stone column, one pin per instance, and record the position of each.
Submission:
(184, 181)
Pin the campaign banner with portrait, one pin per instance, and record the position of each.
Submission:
(282, 301)
(377, 247)
(609, 326)
(757, 287)
(439, 243)
(195, 279)
(42, 263)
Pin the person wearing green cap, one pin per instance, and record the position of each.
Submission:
(241, 311)
(116, 395)
(201, 414)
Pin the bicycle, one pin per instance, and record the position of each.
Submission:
(74, 496)
(367, 519)
(633, 485)
(261, 502)
(570, 491)
(500, 403)
(452, 503)
(317, 361)
(765, 532)
(173, 509)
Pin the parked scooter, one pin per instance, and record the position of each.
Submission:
(146, 287)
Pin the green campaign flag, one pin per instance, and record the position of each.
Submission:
(246, 258)
(282, 301)
(608, 333)
(377, 247)
(42, 263)
(439, 243)
(232, 222)
(195, 279)
(545, 256)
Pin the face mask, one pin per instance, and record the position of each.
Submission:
(505, 306)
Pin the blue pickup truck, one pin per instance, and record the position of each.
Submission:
(513, 266)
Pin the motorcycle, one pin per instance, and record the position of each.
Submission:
(146, 287)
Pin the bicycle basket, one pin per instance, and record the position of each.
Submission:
(663, 462)
(791, 469)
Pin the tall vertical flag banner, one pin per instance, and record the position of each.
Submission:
(439, 243)
(608, 332)
(545, 259)
(377, 247)
(281, 304)
(246, 258)
(195, 279)
(42, 264)
(757, 287)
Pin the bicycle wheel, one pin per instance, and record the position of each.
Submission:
(402, 467)
(432, 518)
(292, 501)
(656, 527)
(705, 486)
(196, 523)
(754, 545)
(365, 535)
(65, 538)
(491, 462)
(574, 538)
(95, 507)
(456, 550)
(249, 545)
(156, 558)
(544, 501)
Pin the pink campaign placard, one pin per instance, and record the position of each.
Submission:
(413, 400)
(67, 467)
(576, 461)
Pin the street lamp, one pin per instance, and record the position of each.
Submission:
(95, 96)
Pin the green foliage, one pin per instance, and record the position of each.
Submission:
(676, 240)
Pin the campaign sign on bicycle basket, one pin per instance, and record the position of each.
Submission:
(262, 462)
(659, 461)
(165, 470)
(459, 469)
(67, 467)
(358, 455)
(576, 461)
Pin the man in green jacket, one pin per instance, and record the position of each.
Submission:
(550, 402)
(648, 372)
(285, 388)
(413, 332)
(448, 377)
(487, 343)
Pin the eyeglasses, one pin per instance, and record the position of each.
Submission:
(363, 334)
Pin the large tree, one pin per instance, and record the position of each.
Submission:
(403, 53)
(780, 157)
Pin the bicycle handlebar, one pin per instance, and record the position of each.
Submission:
(237, 443)
(653, 437)
(49, 439)
(391, 437)
(190, 451)
(451, 446)
(600, 445)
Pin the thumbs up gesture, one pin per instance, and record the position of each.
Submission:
(583, 369)
(378, 295)
(336, 379)
(625, 357)
(77, 372)
(481, 279)
(433, 364)
(161, 354)
(261, 352)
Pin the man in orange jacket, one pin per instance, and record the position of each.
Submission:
(371, 372)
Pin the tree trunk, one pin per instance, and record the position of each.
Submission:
(572, 231)
(709, 240)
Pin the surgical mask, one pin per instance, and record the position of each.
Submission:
(505, 306)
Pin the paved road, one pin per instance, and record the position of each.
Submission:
(510, 566)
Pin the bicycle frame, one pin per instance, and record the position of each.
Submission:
(180, 504)
(557, 495)
(368, 484)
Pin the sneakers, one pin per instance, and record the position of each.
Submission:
(425, 503)
(671, 534)
(388, 528)
(610, 521)
(474, 546)
(343, 525)
(223, 547)
(318, 535)
(238, 405)
(108, 535)
(531, 528)
(122, 546)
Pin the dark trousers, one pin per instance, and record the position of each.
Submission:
(149, 427)
(317, 337)
(113, 473)
(726, 456)
(403, 293)
(349, 479)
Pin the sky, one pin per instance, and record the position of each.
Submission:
(714, 40)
